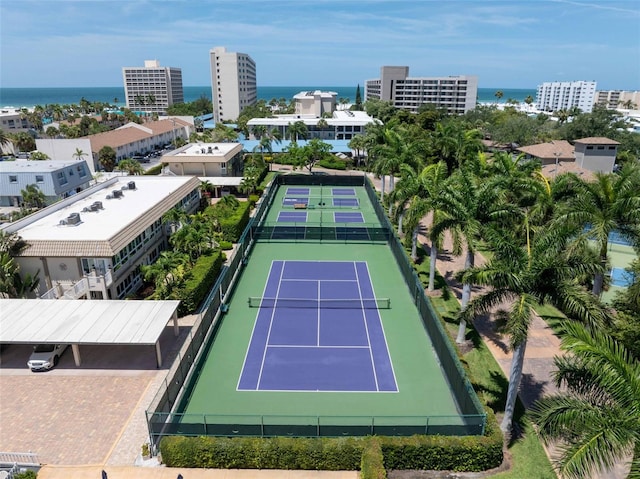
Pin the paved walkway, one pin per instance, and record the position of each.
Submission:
(114, 472)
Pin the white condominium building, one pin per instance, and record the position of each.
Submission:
(152, 88)
(233, 83)
(554, 96)
(456, 94)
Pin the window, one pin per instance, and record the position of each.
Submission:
(62, 178)
(13, 179)
(601, 147)
(39, 179)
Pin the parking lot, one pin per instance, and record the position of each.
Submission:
(92, 414)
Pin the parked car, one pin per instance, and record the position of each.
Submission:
(45, 356)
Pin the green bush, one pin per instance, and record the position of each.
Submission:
(372, 464)
(331, 454)
(226, 245)
(253, 199)
(443, 453)
(155, 170)
(202, 276)
(233, 225)
(333, 163)
(25, 475)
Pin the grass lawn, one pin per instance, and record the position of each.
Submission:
(529, 460)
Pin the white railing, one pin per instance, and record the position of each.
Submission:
(51, 294)
(77, 290)
(20, 458)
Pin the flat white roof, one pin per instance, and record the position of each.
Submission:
(340, 118)
(215, 149)
(45, 166)
(222, 180)
(117, 213)
(84, 322)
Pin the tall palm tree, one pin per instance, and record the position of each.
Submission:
(297, 130)
(468, 203)
(610, 203)
(499, 94)
(530, 269)
(597, 420)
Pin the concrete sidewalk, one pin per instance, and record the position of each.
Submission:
(123, 472)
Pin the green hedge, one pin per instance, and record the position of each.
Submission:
(330, 454)
(202, 276)
(372, 463)
(233, 226)
(445, 453)
(333, 163)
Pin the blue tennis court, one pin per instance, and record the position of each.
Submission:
(621, 277)
(318, 328)
(345, 202)
(343, 192)
(349, 217)
(292, 217)
(291, 201)
(298, 191)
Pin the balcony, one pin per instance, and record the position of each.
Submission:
(78, 289)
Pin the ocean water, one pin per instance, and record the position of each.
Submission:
(29, 97)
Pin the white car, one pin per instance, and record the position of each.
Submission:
(45, 356)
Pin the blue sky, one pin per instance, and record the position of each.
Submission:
(507, 44)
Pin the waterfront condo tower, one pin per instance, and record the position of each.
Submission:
(564, 95)
(152, 88)
(456, 94)
(233, 83)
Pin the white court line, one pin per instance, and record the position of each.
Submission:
(273, 313)
(310, 346)
(323, 280)
(373, 293)
(255, 323)
(364, 318)
(318, 313)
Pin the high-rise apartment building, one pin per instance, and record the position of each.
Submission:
(152, 88)
(456, 94)
(564, 95)
(233, 83)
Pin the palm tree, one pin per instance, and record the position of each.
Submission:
(107, 158)
(499, 94)
(467, 203)
(33, 197)
(528, 100)
(166, 272)
(610, 203)
(358, 144)
(130, 167)
(530, 269)
(298, 130)
(597, 420)
(79, 154)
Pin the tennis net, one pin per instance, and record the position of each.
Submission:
(314, 303)
(312, 202)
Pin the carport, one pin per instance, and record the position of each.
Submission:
(86, 322)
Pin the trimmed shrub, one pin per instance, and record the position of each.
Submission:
(226, 245)
(329, 454)
(253, 199)
(233, 226)
(372, 463)
(202, 276)
(333, 163)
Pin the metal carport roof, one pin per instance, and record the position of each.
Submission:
(85, 322)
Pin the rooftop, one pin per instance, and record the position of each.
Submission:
(597, 140)
(102, 231)
(548, 151)
(29, 166)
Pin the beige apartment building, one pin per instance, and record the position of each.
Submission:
(152, 88)
(456, 94)
(233, 83)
